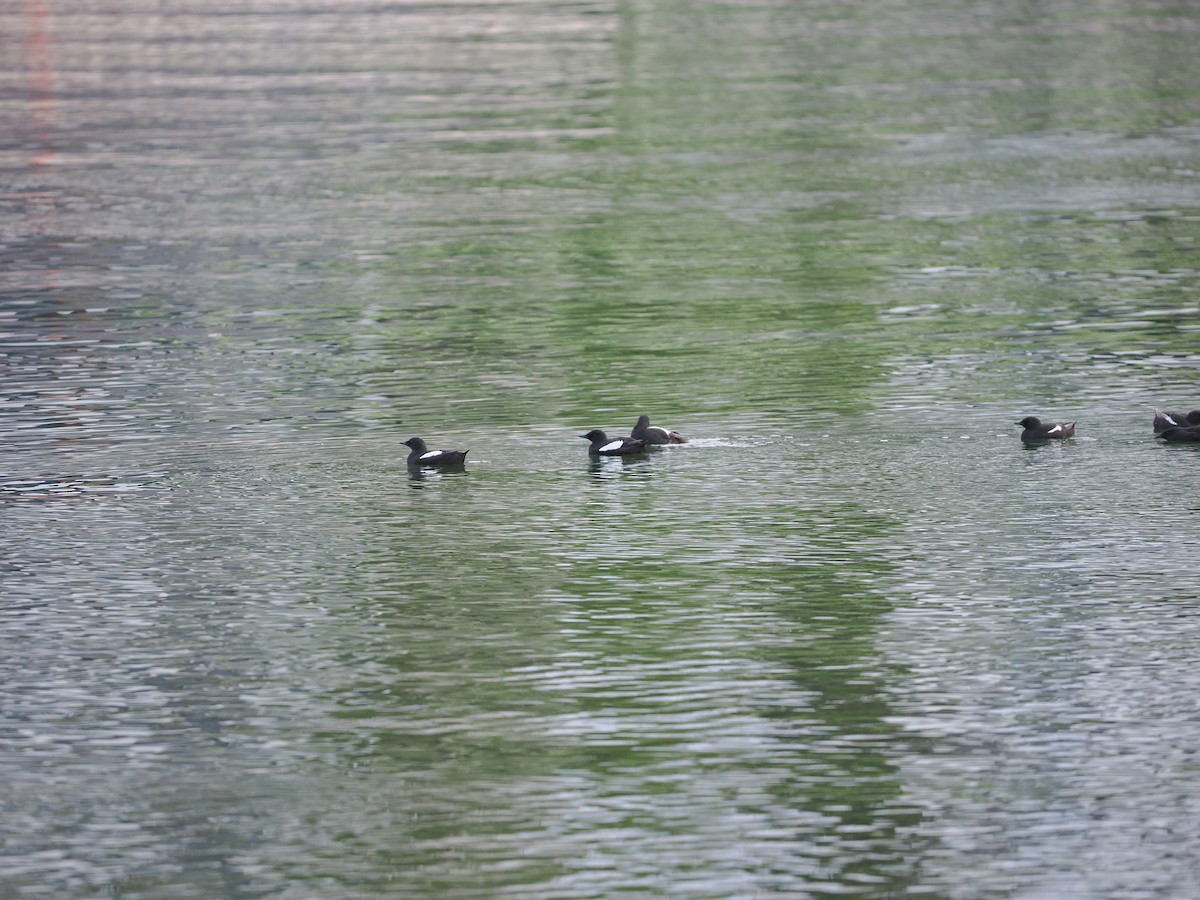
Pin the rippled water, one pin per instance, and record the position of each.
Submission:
(852, 639)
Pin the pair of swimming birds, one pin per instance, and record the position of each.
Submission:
(1178, 428)
(1173, 427)
(643, 435)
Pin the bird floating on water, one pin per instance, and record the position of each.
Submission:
(621, 446)
(653, 434)
(1181, 435)
(423, 456)
(1037, 430)
(1166, 419)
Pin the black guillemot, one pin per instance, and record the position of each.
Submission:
(423, 456)
(653, 434)
(1036, 430)
(621, 446)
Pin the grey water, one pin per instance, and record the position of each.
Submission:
(853, 639)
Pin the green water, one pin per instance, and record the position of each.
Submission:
(852, 639)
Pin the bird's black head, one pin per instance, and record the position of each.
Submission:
(594, 435)
(642, 422)
(1030, 422)
(415, 443)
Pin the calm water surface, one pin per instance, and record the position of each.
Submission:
(852, 640)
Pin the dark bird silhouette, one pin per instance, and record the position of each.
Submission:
(1164, 420)
(653, 434)
(621, 446)
(1037, 430)
(423, 456)
(1182, 435)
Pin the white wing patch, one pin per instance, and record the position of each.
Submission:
(611, 445)
(431, 454)
(1054, 429)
